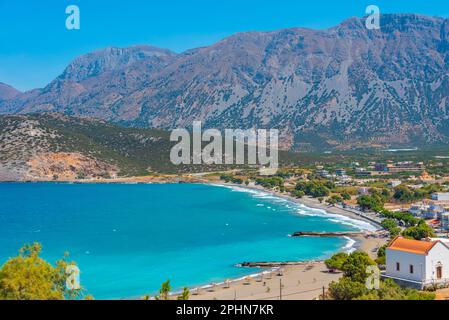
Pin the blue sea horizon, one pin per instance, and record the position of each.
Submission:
(129, 238)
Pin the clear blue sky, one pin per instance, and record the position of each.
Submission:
(35, 46)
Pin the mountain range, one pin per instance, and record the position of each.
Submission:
(341, 87)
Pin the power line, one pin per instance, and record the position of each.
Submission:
(293, 293)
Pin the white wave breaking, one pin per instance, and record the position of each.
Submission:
(304, 210)
(349, 247)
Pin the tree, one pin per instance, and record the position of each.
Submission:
(355, 266)
(346, 196)
(297, 193)
(391, 226)
(421, 231)
(334, 199)
(315, 188)
(336, 261)
(404, 194)
(372, 202)
(164, 291)
(381, 255)
(184, 295)
(29, 277)
(346, 289)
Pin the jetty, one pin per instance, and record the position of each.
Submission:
(326, 234)
(276, 264)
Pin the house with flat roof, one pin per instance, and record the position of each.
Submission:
(440, 196)
(417, 264)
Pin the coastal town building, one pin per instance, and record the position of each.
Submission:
(445, 221)
(418, 209)
(417, 264)
(395, 183)
(406, 166)
(362, 172)
(440, 196)
(433, 212)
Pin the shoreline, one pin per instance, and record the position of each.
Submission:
(306, 201)
(298, 276)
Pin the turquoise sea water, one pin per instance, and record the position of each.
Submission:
(129, 238)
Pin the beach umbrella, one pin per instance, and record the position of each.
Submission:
(247, 280)
(212, 286)
(227, 283)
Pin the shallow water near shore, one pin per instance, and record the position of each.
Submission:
(129, 238)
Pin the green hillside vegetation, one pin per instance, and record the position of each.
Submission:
(135, 151)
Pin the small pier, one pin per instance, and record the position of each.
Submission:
(275, 264)
(326, 234)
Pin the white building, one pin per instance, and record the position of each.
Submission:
(395, 183)
(440, 196)
(417, 264)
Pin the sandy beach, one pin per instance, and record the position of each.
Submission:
(301, 281)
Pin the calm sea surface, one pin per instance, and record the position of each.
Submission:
(129, 238)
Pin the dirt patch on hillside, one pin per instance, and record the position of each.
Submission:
(67, 167)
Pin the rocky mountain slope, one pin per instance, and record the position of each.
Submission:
(58, 147)
(341, 87)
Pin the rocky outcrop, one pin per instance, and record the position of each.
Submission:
(67, 167)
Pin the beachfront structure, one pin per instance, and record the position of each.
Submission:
(445, 221)
(417, 264)
(395, 183)
(406, 166)
(433, 212)
(440, 196)
(418, 209)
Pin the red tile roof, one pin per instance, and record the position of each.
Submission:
(413, 246)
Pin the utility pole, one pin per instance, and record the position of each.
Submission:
(280, 289)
